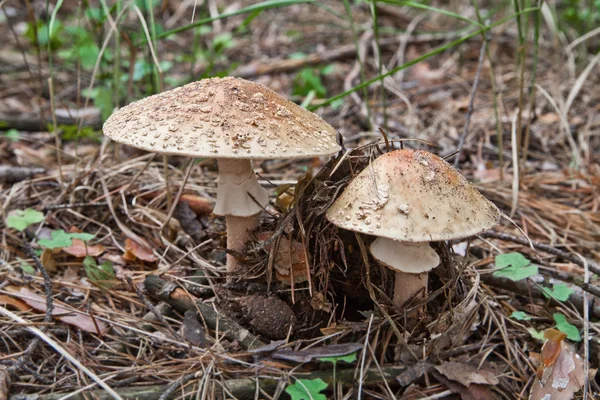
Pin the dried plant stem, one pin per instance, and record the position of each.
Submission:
(244, 387)
(461, 141)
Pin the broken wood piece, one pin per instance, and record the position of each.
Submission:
(182, 302)
(13, 174)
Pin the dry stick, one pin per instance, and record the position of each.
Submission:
(55, 128)
(594, 267)
(241, 388)
(170, 389)
(14, 174)
(461, 141)
(153, 309)
(178, 195)
(49, 307)
(182, 301)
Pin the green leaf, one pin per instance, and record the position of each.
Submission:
(21, 219)
(12, 135)
(82, 236)
(538, 335)
(570, 330)
(560, 292)
(520, 315)
(26, 267)
(347, 358)
(99, 274)
(307, 389)
(512, 260)
(59, 239)
(514, 266)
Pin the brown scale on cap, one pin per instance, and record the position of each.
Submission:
(413, 196)
(222, 118)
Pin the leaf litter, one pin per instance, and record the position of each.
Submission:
(345, 301)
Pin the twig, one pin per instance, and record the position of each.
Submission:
(461, 141)
(241, 388)
(13, 174)
(183, 301)
(170, 389)
(153, 309)
(52, 207)
(47, 318)
(594, 267)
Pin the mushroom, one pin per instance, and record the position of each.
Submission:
(234, 121)
(408, 198)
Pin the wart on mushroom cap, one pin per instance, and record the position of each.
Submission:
(411, 196)
(235, 121)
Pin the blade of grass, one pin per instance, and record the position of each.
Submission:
(361, 61)
(433, 52)
(377, 51)
(495, 95)
(433, 9)
(250, 9)
(536, 45)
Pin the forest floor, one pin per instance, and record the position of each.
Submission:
(112, 266)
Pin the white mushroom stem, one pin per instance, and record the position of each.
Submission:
(407, 286)
(240, 198)
(411, 262)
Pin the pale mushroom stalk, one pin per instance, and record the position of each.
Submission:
(240, 198)
(411, 263)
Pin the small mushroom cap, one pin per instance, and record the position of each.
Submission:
(222, 118)
(412, 258)
(413, 196)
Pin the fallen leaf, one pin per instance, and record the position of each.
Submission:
(287, 254)
(551, 348)
(78, 319)
(80, 249)
(471, 392)
(134, 251)
(412, 373)
(48, 261)
(302, 356)
(199, 205)
(564, 376)
(9, 301)
(466, 374)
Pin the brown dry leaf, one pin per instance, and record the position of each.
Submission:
(564, 374)
(287, 254)
(9, 301)
(80, 249)
(199, 205)
(134, 251)
(466, 374)
(472, 392)
(48, 260)
(80, 320)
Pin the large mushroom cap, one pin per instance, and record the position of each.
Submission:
(225, 118)
(413, 196)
